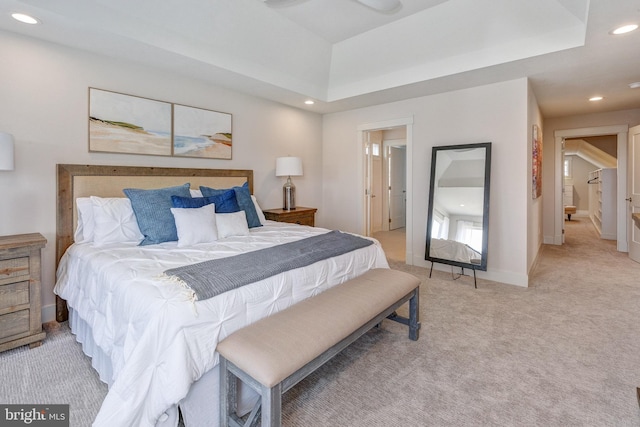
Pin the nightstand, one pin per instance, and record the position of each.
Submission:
(20, 271)
(300, 215)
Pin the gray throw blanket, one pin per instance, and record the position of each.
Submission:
(210, 278)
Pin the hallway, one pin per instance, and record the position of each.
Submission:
(393, 242)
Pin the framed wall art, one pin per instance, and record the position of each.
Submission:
(120, 123)
(128, 124)
(201, 133)
(536, 165)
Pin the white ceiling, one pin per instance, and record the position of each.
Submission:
(344, 55)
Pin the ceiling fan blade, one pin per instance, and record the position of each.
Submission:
(279, 3)
(386, 6)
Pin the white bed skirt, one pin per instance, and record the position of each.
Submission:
(198, 408)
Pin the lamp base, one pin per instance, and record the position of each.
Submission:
(289, 196)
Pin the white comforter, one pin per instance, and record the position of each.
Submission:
(452, 250)
(158, 341)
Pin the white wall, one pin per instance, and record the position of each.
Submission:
(495, 113)
(44, 104)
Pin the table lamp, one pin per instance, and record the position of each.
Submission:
(288, 166)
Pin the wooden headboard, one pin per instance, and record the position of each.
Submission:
(108, 181)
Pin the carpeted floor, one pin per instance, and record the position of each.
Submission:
(57, 372)
(563, 352)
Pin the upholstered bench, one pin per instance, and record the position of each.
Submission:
(275, 353)
(570, 210)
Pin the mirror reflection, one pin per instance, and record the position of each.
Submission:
(458, 217)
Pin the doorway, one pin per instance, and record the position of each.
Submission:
(392, 233)
(394, 174)
(620, 133)
(387, 190)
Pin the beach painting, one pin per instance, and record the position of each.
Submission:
(201, 133)
(121, 123)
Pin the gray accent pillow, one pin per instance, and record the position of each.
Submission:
(153, 212)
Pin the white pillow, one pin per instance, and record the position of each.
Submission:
(232, 224)
(86, 224)
(195, 193)
(115, 221)
(261, 217)
(195, 225)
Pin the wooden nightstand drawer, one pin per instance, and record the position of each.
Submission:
(303, 220)
(300, 215)
(14, 323)
(14, 267)
(13, 294)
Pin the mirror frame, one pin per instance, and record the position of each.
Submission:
(485, 210)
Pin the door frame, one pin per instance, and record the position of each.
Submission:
(365, 186)
(633, 168)
(622, 132)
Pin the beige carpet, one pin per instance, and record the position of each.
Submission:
(564, 352)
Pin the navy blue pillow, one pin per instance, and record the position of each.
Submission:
(189, 202)
(225, 202)
(153, 212)
(243, 197)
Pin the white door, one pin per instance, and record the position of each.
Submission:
(376, 191)
(397, 187)
(634, 192)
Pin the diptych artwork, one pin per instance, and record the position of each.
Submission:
(120, 123)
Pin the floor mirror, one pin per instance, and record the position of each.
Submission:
(458, 216)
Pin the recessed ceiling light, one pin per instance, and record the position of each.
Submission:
(624, 29)
(309, 102)
(24, 18)
(596, 98)
(634, 85)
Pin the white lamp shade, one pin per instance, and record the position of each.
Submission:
(6, 151)
(288, 166)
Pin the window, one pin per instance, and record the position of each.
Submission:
(375, 149)
(567, 167)
(470, 233)
(439, 226)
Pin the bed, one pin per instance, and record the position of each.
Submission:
(147, 337)
(454, 251)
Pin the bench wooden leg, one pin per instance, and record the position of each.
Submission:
(229, 377)
(227, 388)
(414, 316)
(413, 321)
(272, 406)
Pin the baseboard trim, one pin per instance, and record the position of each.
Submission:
(48, 313)
(552, 240)
(505, 277)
